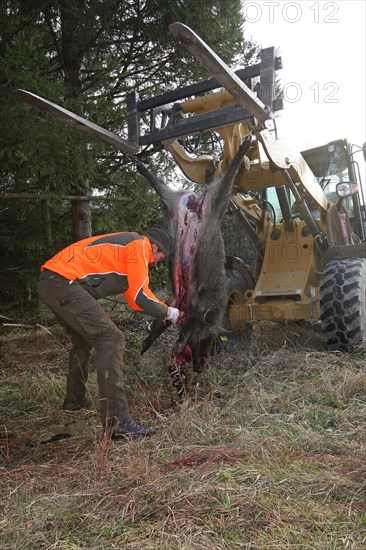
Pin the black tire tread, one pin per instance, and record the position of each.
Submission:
(343, 303)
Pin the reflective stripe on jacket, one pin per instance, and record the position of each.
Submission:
(110, 264)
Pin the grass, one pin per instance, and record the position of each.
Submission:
(267, 452)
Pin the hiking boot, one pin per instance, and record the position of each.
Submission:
(124, 429)
(71, 405)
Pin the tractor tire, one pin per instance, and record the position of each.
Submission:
(343, 303)
(237, 282)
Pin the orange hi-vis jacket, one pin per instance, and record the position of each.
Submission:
(111, 264)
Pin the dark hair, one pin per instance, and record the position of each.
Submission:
(160, 238)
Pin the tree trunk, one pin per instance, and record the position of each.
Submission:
(81, 215)
(73, 44)
(47, 224)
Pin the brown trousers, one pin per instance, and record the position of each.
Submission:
(90, 327)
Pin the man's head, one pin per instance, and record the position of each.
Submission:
(161, 242)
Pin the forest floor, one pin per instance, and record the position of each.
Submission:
(268, 451)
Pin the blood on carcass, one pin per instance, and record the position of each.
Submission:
(197, 267)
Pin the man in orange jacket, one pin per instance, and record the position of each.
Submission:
(70, 284)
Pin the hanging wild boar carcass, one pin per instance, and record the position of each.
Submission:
(197, 267)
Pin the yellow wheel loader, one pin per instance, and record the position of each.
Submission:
(303, 212)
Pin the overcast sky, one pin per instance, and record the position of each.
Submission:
(322, 45)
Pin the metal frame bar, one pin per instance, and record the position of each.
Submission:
(176, 128)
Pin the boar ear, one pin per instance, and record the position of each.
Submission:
(183, 341)
(157, 328)
(209, 317)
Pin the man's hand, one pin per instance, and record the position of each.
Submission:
(173, 315)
